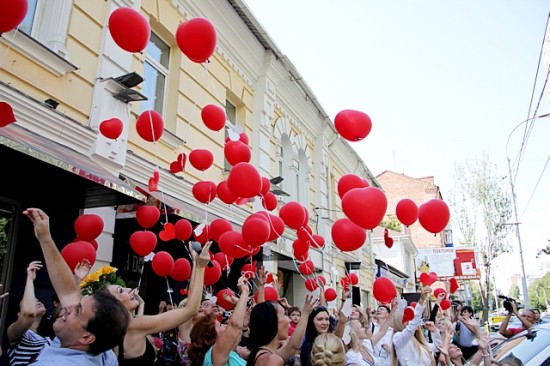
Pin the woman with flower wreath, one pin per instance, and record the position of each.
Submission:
(136, 349)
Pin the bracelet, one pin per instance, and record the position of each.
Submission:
(486, 355)
(344, 300)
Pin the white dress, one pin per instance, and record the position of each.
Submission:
(406, 350)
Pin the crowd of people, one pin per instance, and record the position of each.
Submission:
(99, 321)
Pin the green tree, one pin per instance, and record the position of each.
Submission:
(481, 207)
(514, 291)
(392, 223)
(539, 291)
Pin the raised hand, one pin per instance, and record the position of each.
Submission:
(309, 304)
(262, 276)
(426, 291)
(82, 269)
(33, 267)
(203, 258)
(242, 284)
(430, 326)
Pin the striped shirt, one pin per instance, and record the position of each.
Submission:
(27, 349)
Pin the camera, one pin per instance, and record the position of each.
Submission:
(507, 303)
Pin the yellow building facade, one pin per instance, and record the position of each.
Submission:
(63, 75)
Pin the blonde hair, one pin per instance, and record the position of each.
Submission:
(356, 343)
(328, 350)
(418, 339)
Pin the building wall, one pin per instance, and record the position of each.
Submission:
(399, 186)
(264, 86)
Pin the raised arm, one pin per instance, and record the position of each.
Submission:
(262, 279)
(227, 341)
(403, 337)
(61, 276)
(385, 325)
(27, 309)
(151, 324)
(293, 345)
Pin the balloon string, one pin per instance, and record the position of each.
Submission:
(140, 275)
(169, 291)
(165, 207)
(211, 79)
(5, 56)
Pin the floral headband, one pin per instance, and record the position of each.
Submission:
(105, 275)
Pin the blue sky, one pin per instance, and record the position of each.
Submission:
(443, 81)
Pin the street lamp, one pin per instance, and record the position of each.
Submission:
(516, 224)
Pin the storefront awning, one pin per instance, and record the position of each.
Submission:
(31, 144)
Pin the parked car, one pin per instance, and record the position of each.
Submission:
(531, 346)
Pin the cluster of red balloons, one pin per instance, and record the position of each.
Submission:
(87, 228)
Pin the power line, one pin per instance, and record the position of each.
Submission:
(536, 186)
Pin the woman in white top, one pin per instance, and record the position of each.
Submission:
(409, 343)
(360, 350)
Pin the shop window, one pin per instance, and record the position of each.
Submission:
(155, 70)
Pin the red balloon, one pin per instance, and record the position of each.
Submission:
(300, 248)
(269, 201)
(212, 273)
(129, 29)
(293, 214)
(236, 152)
(182, 270)
(330, 294)
(12, 14)
(255, 230)
(224, 260)
(305, 234)
(438, 291)
(344, 281)
(143, 242)
(352, 125)
(202, 236)
(406, 211)
(317, 242)
(224, 304)
(384, 290)
(434, 215)
(6, 113)
(243, 137)
(224, 194)
(388, 241)
(270, 294)
(197, 39)
(307, 268)
(162, 263)
(348, 236)
(213, 117)
(322, 280)
(88, 226)
(353, 278)
(249, 270)
(150, 125)
(75, 252)
(445, 304)
(408, 314)
(93, 242)
(147, 216)
(204, 192)
(311, 284)
(244, 180)
(350, 181)
(232, 244)
(266, 184)
(184, 229)
(201, 159)
(365, 206)
(111, 128)
(276, 225)
(218, 227)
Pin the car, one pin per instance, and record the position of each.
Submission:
(531, 346)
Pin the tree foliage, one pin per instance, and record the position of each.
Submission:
(539, 292)
(481, 208)
(392, 223)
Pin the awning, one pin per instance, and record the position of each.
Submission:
(29, 143)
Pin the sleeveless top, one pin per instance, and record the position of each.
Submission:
(147, 358)
(233, 360)
(264, 351)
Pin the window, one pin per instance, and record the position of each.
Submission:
(155, 70)
(27, 23)
(43, 33)
(231, 115)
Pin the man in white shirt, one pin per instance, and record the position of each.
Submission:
(382, 349)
